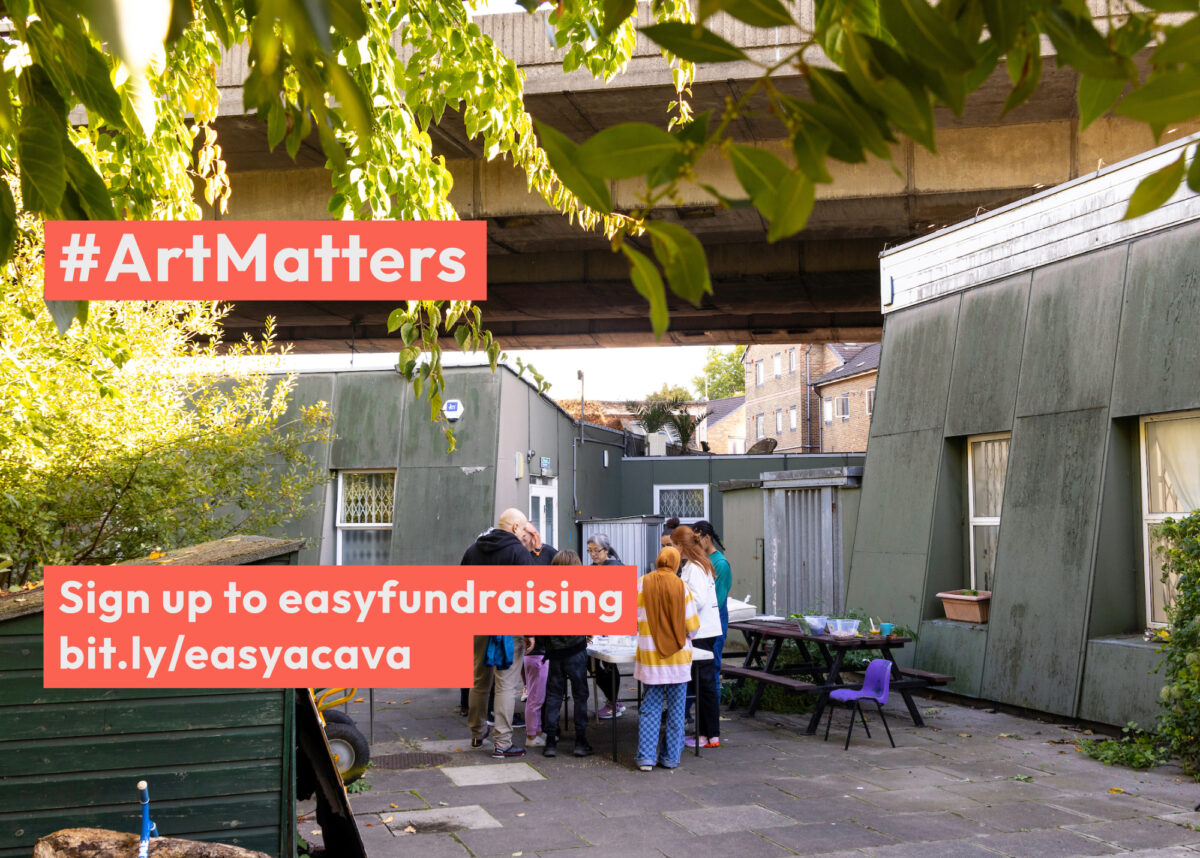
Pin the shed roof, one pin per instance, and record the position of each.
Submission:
(865, 359)
(719, 409)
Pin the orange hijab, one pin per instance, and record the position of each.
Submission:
(664, 597)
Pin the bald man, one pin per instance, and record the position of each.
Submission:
(506, 544)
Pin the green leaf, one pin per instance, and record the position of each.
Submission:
(617, 12)
(925, 34)
(92, 192)
(1155, 189)
(1080, 45)
(461, 333)
(1172, 96)
(756, 13)
(276, 125)
(8, 223)
(625, 150)
(908, 108)
(682, 257)
(760, 173)
(348, 18)
(793, 204)
(563, 155)
(354, 106)
(649, 285)
(1181, 45)
(65, 312)
(40, 151)
(833, 90)
(693, 42)
(1170, 5)
(396, 319)
(810, 144)
(182, 14)
(1025, 70)
(1193, 175)
(1096, 97)
(1004, 19)
(408, 333)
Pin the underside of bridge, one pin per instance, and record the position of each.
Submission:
(551, 284)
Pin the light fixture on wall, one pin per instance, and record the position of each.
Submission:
(519, 465)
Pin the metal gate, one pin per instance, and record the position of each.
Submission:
(802, 517)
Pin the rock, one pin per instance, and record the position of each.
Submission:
(99, 843)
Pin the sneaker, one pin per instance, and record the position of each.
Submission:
(518, 720)
(607, 711)
(646, 767)
(505, 753)
(551, 749)
(538, 741)
(690, 742)
(714, 742)
(582, 748)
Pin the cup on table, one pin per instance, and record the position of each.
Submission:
(885, 629)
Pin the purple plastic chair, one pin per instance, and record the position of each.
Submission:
(875, 687)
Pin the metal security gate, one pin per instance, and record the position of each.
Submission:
(803, 523)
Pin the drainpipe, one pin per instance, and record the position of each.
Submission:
(575, 464)
(808, 395)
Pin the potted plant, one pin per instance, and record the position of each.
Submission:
(968, 606)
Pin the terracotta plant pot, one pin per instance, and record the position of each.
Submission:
(967, 609)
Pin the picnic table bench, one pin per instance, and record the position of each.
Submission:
(822, 669)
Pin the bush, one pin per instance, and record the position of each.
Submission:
(1135, 749)
(1179, 723)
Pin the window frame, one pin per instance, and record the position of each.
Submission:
(842, 399)
(792, 418)
(339, 526)
(1150, 519)
(791, 361)
(827, 410)
(870, 401)
(758, 373)
(778, 421)
(659, 487)
(974, 521)
(760, 426)
(777, 364)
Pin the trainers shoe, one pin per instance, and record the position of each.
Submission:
(583, 749)
(607, 711)
(505, 753)
(714, 742)
(518, 720)
(538, 741)
(646, 767)
(551, 749)
(690, 742)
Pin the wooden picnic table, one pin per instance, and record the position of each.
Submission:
(822, 658)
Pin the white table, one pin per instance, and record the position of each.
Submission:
(618, 656)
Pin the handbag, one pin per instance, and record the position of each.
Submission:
(499, 651)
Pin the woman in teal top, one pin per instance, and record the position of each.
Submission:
(724, 580)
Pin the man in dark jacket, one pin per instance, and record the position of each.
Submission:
(566, 656)
(506, 544)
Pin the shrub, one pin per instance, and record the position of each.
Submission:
(1179, 723)
(1135, 749)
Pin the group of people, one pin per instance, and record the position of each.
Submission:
(680, 605)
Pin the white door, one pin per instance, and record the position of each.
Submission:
(543, 507)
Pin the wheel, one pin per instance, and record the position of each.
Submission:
(351, 753)
(336, 716)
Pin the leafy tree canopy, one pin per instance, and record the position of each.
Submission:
(670, 393)
(671, 415)
(115, 441)
(875, 69)
(723, 374)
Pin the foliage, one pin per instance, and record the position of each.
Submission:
(360, 785)
(1135, 749)
(669, 392)
(670, 414)
(111, 446)
(1179, 720)
(723, 374)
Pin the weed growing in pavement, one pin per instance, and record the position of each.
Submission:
(1136, 749)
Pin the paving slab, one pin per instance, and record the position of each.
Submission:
(1001, 791)
(650, 828)
(425, 846)
(610, 852)
(440, 820)
(818, 837)
(381, 800)
(721, 820)
(911, 778)
(918, 827)
(738, 844)
(1052, 843)
(1021, 816)
(1140, 833)
(1107, 807)
(503, 772)
(937, 849)
(932, 799)
(506, 841)
(828, 809)
(637, 803)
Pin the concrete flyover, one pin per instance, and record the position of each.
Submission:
(551, 284)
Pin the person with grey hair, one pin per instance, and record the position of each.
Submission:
(608, 676)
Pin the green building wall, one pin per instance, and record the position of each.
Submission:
(1066, 358)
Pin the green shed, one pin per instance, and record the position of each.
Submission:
(220, 763)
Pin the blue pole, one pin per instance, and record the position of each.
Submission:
(149, 829)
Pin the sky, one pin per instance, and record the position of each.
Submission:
(614, 374)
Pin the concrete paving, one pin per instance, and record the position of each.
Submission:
(973, 782)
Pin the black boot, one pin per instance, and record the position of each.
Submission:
(551, 749)
(582, 748)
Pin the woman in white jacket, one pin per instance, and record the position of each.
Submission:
(698, 574)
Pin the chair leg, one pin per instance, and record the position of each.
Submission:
(829, 722)
(883, 718)
(862, 715)
(846, 746)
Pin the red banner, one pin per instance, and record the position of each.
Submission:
(266, 260)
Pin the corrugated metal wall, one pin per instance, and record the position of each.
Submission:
(636, 539)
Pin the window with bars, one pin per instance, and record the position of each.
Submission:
(1170, 446)
(366, 500)
(687, 503)
(987, 467)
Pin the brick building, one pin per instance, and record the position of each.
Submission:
(780, 401)
(847, 397)
(724, 427)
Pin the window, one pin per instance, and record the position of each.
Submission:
(827, 410)
(778, 361)
(543, 506)
(987, 465)
(366, 500)
(791, 360)
(792, 417)
(1170, 488)
(841, 406)
(687, 503)
(737, 445)
(759, 428)
(778, 421)
(870, 401)
(758, 373)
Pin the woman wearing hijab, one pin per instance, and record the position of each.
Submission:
(700, 577)
(608, 676)
(666, 623)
